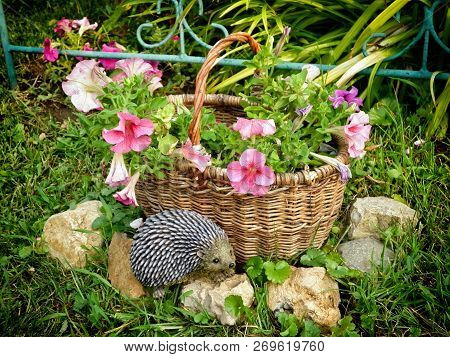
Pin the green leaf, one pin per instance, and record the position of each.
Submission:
(25, 251)
(209, 135)
(314, 258)
(124, 316)
(254, 267)
(4, 260)
(106, 209)
(19, 133)
(291, 331)
(345, 328)
(310, 329)
(247, 72)
(167, 144)
(166, 113)
(440, 118)
(379, 116)
(234, 305)
(98, 222)
(185, 295)
(64, 326)
(356, 28)
(399, 198)
(289, 324)
(379, 21)
(394, 173)
(202, 318)
(277, 273)
(338, 271)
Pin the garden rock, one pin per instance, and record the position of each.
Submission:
(119, 268)
(371, 215)
(210, 297)
(64, 240)
(308, 292)
(364, 253)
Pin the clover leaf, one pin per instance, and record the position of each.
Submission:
(202, 318)
(254, 267)
(310, 329)
(277, 272)
(345, 328)
(289, 324)
(314, 258)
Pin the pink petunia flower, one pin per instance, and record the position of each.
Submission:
(110, 63)
(252, 127)
(127, 196)
(50, 54)
(83, 25)
(86, 47)
(118, 173)
(250, 174)
(343, 169)
(135, 66)
(132, 133)
(85, 84)
(156, 70)
(63, 27)
(194, 155)
(343, 96)
(357, 133)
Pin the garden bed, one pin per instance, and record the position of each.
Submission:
(52, 160)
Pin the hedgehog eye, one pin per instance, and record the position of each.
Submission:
(216, 260)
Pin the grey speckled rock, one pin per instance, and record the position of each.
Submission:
(371, 215)
(362, 253)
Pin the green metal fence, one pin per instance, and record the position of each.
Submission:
(426, 30)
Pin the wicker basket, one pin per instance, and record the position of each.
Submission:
(298, 211)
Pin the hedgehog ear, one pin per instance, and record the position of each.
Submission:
(201, 254)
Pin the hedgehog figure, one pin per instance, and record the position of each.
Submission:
(176, 245)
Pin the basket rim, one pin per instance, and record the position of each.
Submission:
(281, 179)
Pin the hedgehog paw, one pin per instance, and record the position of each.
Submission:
(158, 293)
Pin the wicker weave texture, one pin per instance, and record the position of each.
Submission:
(279, 224)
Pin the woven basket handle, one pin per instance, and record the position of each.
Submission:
(202, 76)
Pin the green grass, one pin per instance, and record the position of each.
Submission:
(42, 175)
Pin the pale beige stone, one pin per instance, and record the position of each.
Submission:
(307, 293)
(370, 216)
(210, 297)
(65, 243)
(119, 268)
